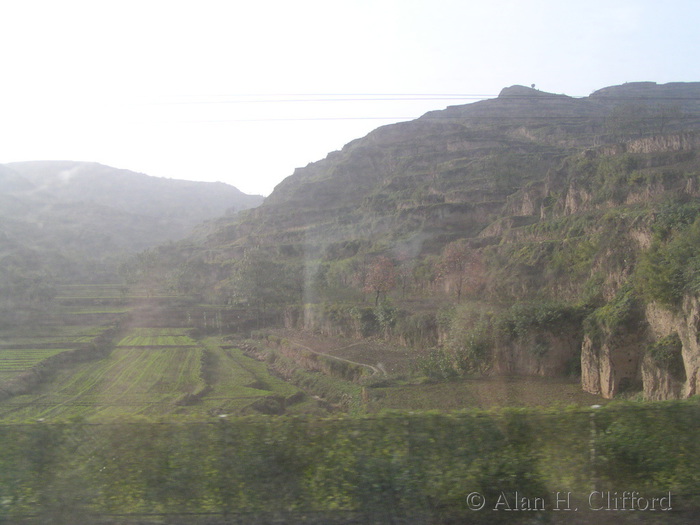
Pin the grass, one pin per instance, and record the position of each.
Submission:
(152, 372)
(131, 381)
(480, 393)
(238, 381)
(157, 337)
(23, 359)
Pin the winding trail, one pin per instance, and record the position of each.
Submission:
(375, 370)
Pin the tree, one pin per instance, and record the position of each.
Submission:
(260, 281)
(425, 272)
(404, 271)
(380, 277)
(461, 267)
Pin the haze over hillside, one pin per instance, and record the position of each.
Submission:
(77, 220)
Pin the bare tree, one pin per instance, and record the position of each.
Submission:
(381, 277)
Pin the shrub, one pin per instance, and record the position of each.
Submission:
(521, 318)
(475, 351)
(437, 364)
(669, 270)
(621, 312)
(385, 315)
(419, 329)
(365, 320)
(667, 353)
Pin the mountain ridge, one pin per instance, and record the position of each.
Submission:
(562, 205)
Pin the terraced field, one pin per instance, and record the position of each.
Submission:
(13, 361)
(133, 379)
(79, 315)
(240, 384)
(147, 368)
(21, 351)
(157, 337)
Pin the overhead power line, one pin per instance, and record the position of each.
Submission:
(254, 98)
(561, 121)
(241, 99)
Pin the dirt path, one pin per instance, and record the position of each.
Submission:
(373, 354)
(375, 370)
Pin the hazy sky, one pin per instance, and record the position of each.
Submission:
(246, 91)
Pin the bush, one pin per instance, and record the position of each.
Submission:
(418, 330)
(475, 352)
(667, 353)
(385, 315)
(365, 320)
(438, 364)
(390, 468)
(521, 318)
(670, 269)
(622, 312)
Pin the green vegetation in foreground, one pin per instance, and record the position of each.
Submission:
(398, 467)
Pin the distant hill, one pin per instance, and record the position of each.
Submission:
(64, 219)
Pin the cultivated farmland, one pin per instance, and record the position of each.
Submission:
(127, 361)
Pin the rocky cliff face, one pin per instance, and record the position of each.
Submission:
(660, 382)
(612, 366)
(662, 354)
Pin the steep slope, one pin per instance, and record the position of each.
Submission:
(524, 234)
(450, 171)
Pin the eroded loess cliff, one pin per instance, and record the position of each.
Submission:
(600, 232)
(661, 355)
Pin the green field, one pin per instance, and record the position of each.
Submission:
(149, 372)
(15, 361)
(130, 381)
(143, 370)
(24, 349)
(157, 337)
(49, 333)
(21, 359)
(238, 382)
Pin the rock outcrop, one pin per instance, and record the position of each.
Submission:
(661, 356)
